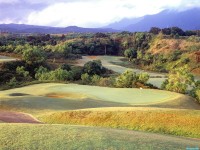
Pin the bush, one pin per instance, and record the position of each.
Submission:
(21, 71)
(33, 55)
(86, 78)
(95, 79)
(130, 54)
(143, 77)
(125, 80)
(93, 67)
(12, 82)
(198, 95)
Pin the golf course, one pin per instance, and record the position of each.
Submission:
(80, 115)
(57, 115)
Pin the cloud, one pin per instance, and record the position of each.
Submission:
(96, 13)
(85, 13)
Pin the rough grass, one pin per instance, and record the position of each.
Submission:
(61, 137)
(168, 121)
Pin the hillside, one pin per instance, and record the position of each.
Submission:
(181, 51)
(187, 20)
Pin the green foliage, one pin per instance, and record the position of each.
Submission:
(21, 71)
(179, 80)
(93, 67)
(76, 73)
(195, 92)
(12, 82)
(33, 55)
(41, 74)
(65, 67)
(86, 79)
(143, 77)
(60, 75)
(130, 53)
(130, 79)
(95, 79)
(125, 80)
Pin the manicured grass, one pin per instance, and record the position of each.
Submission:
(51, 97)
(61, 137)
(168, 121)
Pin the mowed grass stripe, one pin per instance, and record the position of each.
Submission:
(168, 121)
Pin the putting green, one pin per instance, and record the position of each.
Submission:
(80, 92)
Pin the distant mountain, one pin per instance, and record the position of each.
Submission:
(187, 20)
(123, 23)
(22, 28)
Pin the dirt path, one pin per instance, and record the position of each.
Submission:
(16, 117)
(6, 59)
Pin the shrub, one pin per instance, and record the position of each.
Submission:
(21, 71)
(143, 77)
(86, 78)
(179, 80)
(93, 67)
(33, 55)
(95, 79)
(12, 82)
(106, 82)
(125, 80)
(130, 54)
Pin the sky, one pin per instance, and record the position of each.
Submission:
(84, 13)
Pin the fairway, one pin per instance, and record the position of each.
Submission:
(108, 61)
(60, 137)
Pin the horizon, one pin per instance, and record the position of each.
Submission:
(64, 13)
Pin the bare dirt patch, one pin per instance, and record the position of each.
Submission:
(16, 117)
(66, 95)
(92, 57)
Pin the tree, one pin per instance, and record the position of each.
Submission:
(155, 30)
(105, 41)
(125, 80)
(130, 54)
(33, 55)
(93, 67)
(177, 31)
(179, 80)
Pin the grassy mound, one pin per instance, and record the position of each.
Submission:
(48, 137)
(169, 121)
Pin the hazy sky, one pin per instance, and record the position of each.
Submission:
(84, 13)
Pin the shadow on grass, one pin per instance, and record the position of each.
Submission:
(42, 103)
